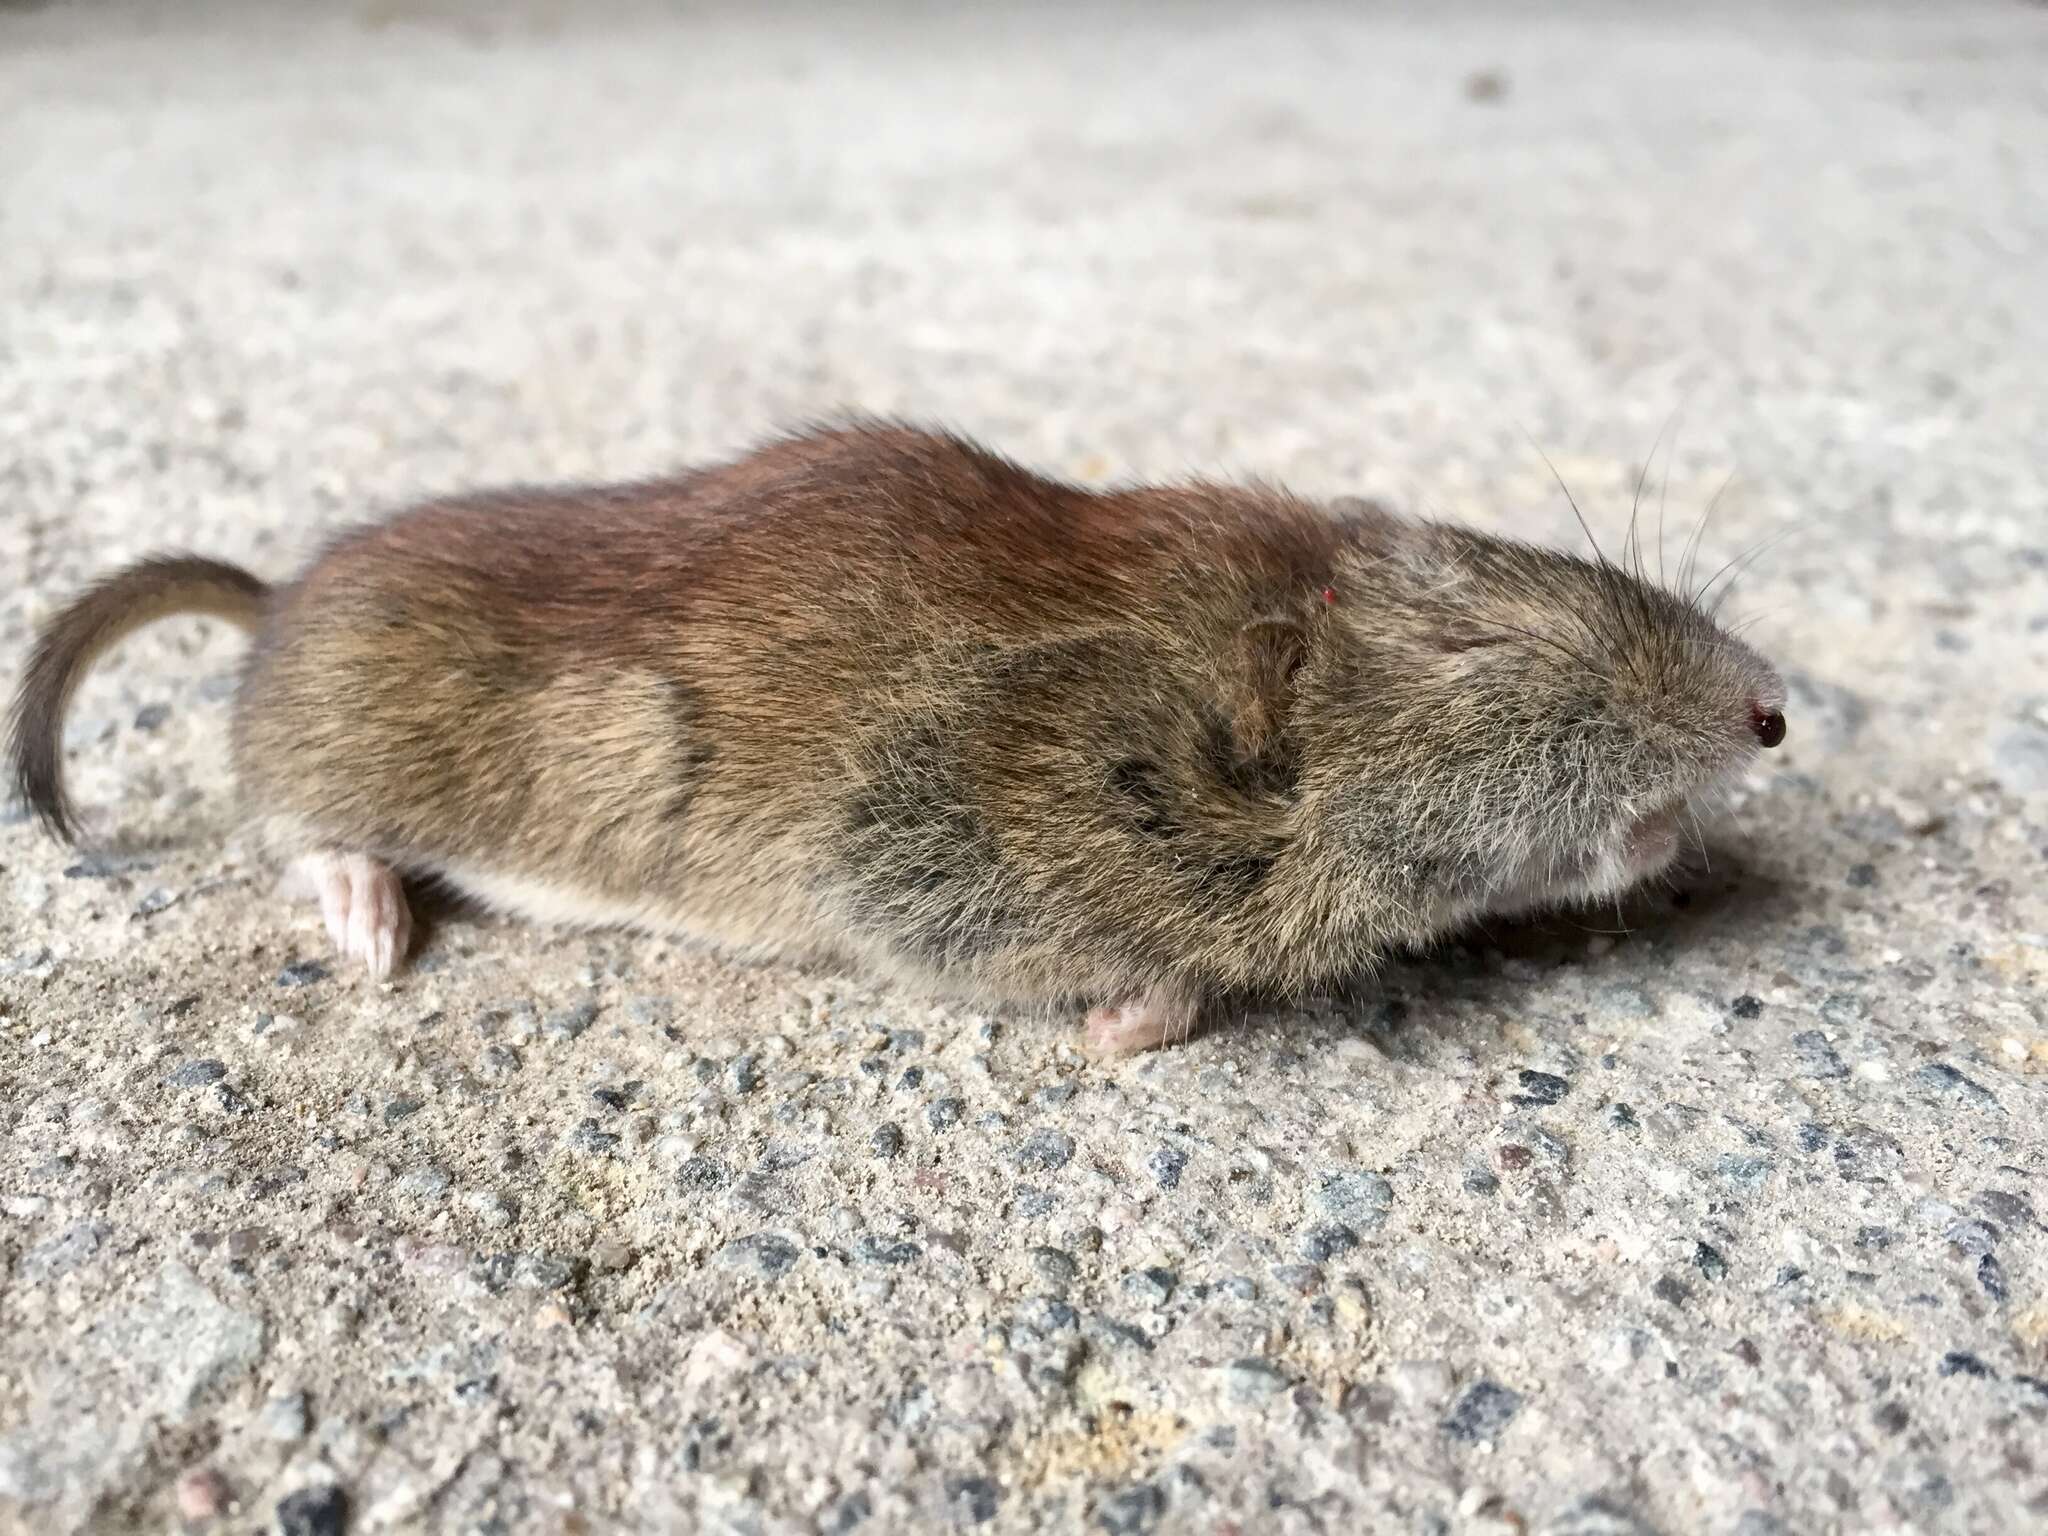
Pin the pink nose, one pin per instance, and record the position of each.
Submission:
(1769, 725)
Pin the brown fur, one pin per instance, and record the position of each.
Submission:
(878, 691)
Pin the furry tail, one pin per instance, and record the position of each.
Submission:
(98, 620)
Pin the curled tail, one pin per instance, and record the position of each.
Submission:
(93, 624)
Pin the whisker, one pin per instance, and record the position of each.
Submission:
(1738, 626)
(1618, 933)
(1636, 503)
(1550, 640)
(1742, 562)
(1692, 545)
(1699, 837)
(1569, 498)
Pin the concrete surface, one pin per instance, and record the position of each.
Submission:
(1730, 1223)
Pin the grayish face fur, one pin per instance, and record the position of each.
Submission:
(1549, 729)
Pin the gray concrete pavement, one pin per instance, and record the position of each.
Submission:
(1731, 1223)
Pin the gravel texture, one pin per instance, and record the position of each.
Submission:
(1720, 1213)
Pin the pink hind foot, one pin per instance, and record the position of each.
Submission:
(1158, 1017)
(364, 905)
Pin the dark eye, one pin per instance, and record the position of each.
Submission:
(1769, 725)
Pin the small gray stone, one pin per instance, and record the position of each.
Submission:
(302, 974)
(743, 1074)
(61, 1254)
(313, 1512)
(1323, 1243)
(197, 1074)
(1253, 1380)
(592, 1142)
(193, 1341)
(1539, 1089)
(545, 1272)
(701, 1173)
(1150, 1287)
(763, 1253)
(286, 1418)
(1115, 1335)
(887, 1140)
(973, 1499)
(876, 1250)
(1482, 1411)
(1940, 1081)
(1167, 1165)
(569, 1023)
(943, 1114)
(1628, 1000)
(1055, 1267)
(1134, 1511)
(429, 1182)
(1971, 1238)
(1045, 1150)
(1817, 1058)
(1356, 1197)
(492, 1209)
(1747, 1173)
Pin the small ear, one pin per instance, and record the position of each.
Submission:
(1260, 686)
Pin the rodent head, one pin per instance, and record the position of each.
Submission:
(1533, 728)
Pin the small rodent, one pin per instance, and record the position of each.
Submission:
(877, 693)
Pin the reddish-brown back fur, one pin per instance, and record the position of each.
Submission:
(745, 701)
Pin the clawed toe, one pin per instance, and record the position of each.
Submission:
(363, 904)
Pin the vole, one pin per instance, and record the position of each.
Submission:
(879, 693)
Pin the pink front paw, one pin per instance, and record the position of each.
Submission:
(1158, 1017)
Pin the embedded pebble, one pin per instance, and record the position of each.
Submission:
(319, 1511)
(1253, 1380)
(1150, 1287)
(565, 1024)
(1356, 1198)
(1167, 1165)
(764, 1253)
(1046, 1150)
(1056, 1268)
(286, 1418)
(426, 1183)
(1482, 1411)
